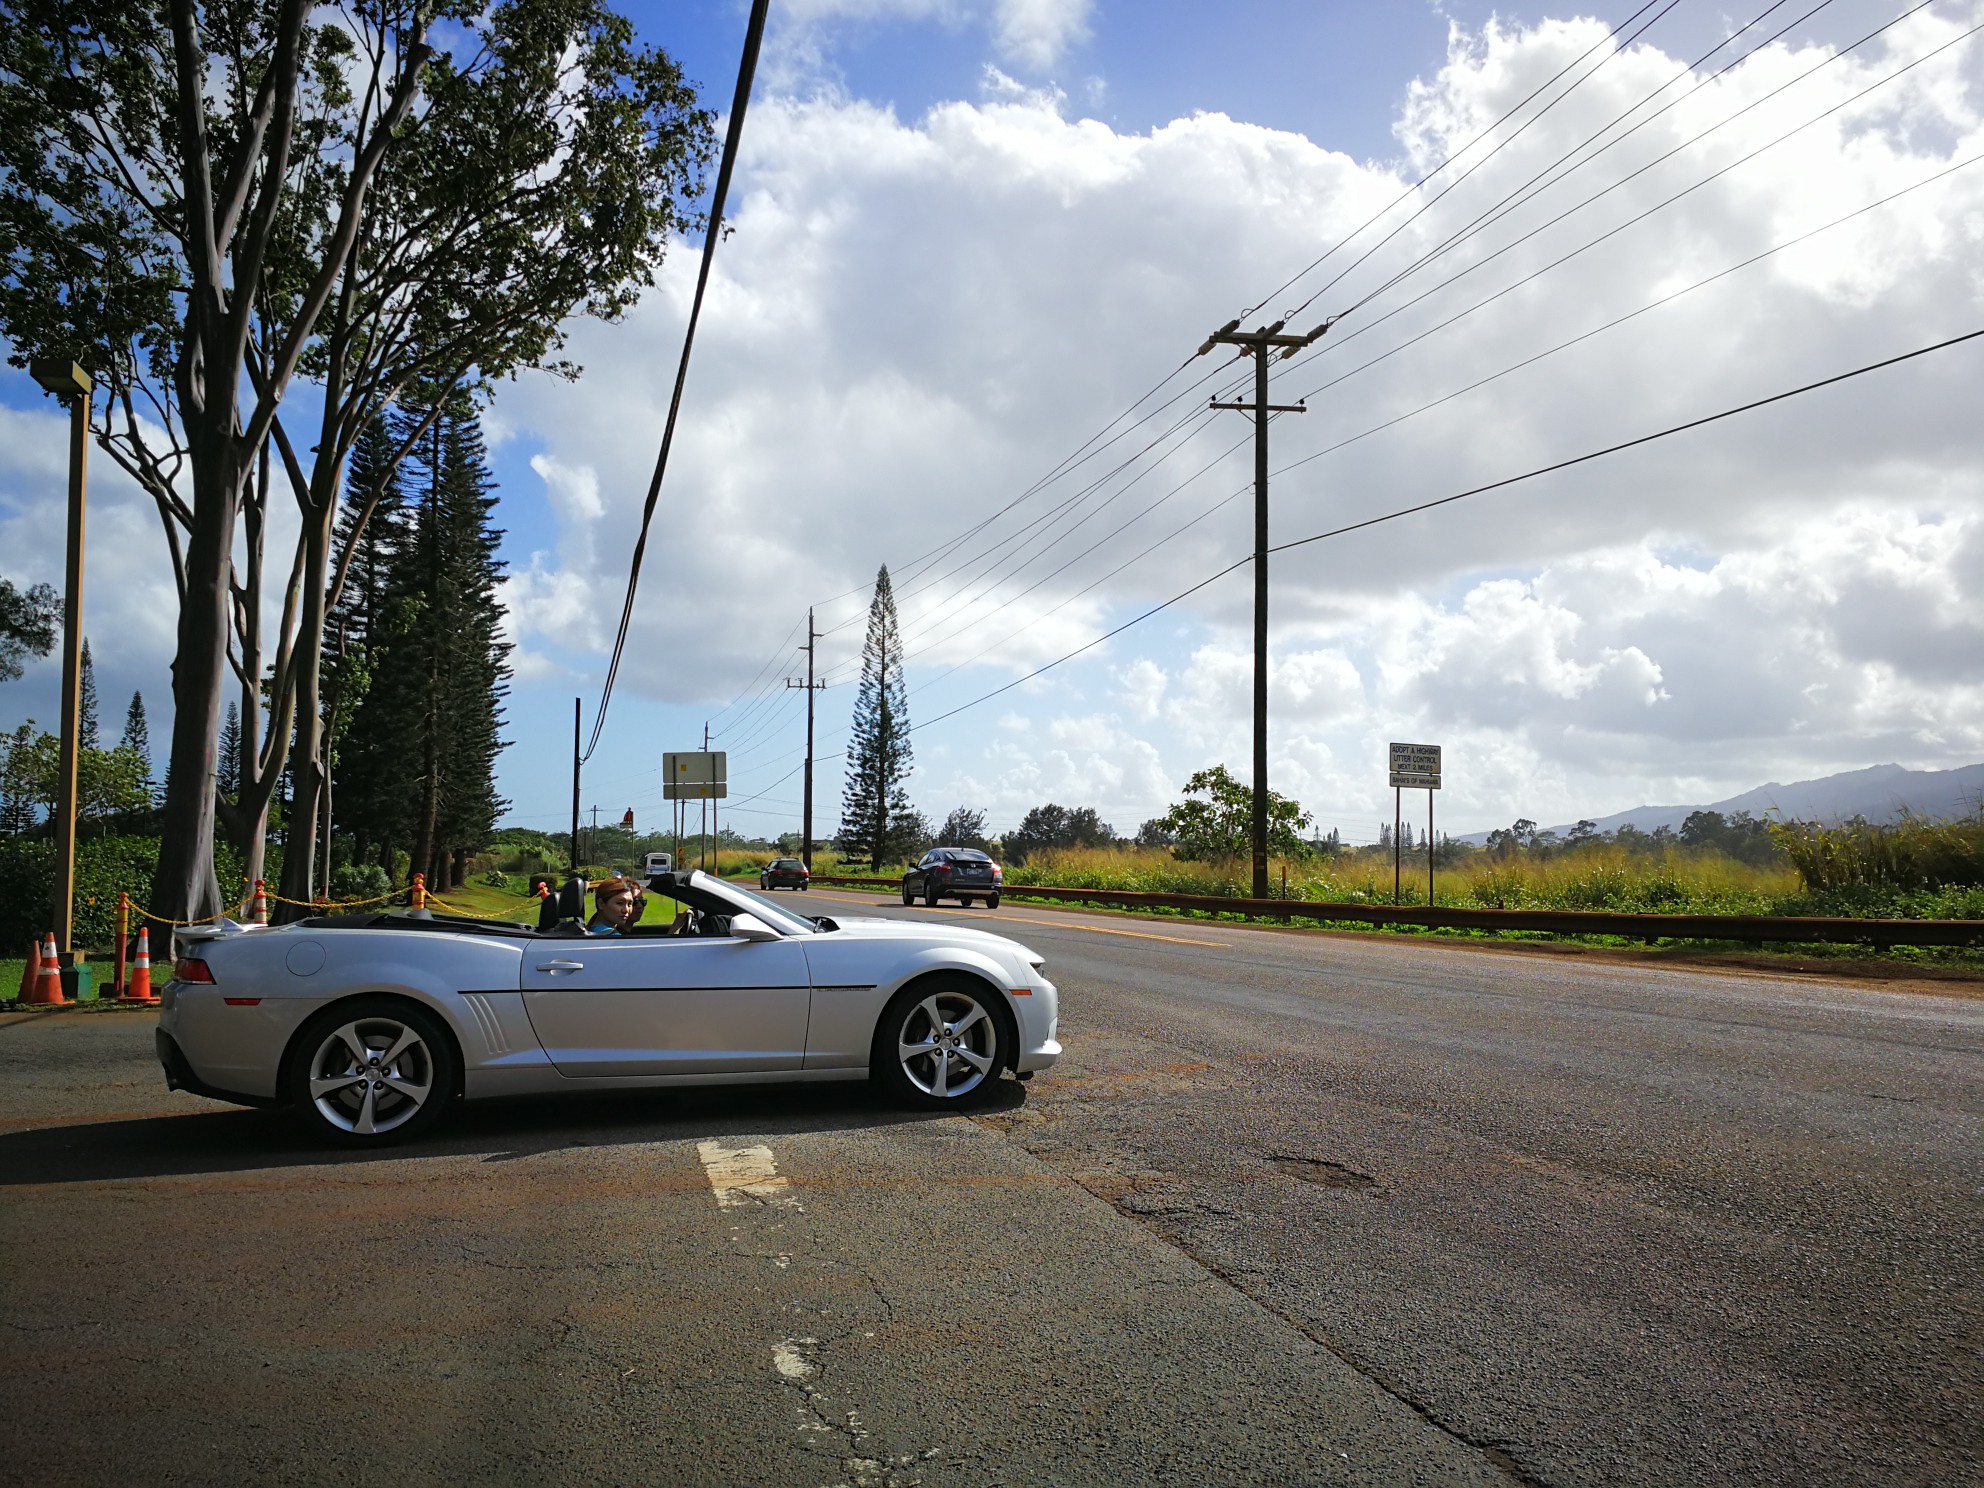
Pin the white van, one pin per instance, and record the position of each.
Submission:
(657, 862)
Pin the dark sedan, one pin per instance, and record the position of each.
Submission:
(961, 873)
(784, 873)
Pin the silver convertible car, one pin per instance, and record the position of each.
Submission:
(372, 1025)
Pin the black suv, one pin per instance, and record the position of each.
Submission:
(960, 873)
(783, 873)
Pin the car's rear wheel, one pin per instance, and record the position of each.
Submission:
(992, 902)
(930, 897)
(371, 1071)
(941, 1042)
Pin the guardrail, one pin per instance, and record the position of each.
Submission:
(1749, 929)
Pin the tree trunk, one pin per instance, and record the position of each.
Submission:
(306, 764)
(183, 885)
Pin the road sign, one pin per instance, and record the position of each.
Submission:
(695, 776)
(1416, 766)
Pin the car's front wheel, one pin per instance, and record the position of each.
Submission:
(371, 1071)
(941, 1042)
(908, 898)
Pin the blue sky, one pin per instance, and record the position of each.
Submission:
(968, 232)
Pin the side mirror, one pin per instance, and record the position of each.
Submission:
(748, 926)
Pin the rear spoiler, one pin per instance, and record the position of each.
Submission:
(221, 929)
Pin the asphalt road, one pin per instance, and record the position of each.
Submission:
(1292, 1209)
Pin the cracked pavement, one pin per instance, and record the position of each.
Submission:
(1293, 1209)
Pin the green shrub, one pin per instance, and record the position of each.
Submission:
(359, 881)
(105, 866)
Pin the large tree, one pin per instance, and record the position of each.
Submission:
(417, 759)
(876, 820)
(205, 201)
(1216, 820)
(30, 619)
(137, 738)
(1057, 826)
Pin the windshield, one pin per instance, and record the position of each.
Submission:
(769, 910)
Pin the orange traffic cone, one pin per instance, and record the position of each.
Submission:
(31, 972)
(258, 908)
(48, 981)
(140, 986)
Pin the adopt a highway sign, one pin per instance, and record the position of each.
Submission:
(1416, 766)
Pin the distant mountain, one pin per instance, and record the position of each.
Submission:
(1880, 793)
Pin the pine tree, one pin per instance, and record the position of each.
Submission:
(229, 765)
(877, 820)
(417, 761)
(138, 739)
(86, 729)
(370, 473)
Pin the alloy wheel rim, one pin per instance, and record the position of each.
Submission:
(947, 1045)
(371, 1076)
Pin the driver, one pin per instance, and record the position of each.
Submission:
(617, 903)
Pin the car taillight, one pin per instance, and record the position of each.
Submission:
(192, 969)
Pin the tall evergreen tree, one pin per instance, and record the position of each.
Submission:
(876, 820)
(87, 734)
(228, 773)
(417, 760)
(138, 739)
(371, 480)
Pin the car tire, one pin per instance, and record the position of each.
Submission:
(930, 898)
(908, 898)
(917, 1064)
(992, 901)
(325, 1076)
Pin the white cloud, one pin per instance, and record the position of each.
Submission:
(1039, 32)
(916, 320)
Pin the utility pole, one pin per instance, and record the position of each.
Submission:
(575, 787)
(806, 827)
(73, 386)
(703, 846)
(1261, 345)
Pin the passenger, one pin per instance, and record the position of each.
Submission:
(616, 905)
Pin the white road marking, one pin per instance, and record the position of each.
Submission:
(742, 1176)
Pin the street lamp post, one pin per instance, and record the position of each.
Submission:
(72, 385)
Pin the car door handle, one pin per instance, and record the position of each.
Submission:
(561, 966)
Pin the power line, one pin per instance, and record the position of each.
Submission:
(1516, 134)
(1448, 500)
(1512, 199)
(1668, 155)
(754, 34)
(1493, 213)
(1583, 336)
(1406, 194)
(1613, 449)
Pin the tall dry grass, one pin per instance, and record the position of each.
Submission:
(1912, 853)
(1598, 877)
